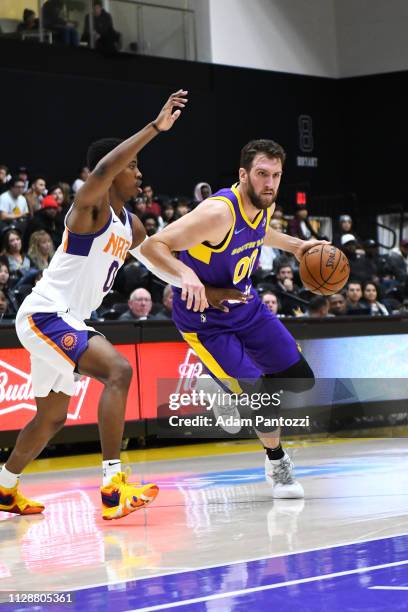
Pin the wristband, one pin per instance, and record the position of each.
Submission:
(158, 130)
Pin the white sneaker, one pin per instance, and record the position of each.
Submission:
(228, 413)
(279, 474)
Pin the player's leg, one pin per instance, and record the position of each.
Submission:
(100, 360)
(50, 417)
(275, 352)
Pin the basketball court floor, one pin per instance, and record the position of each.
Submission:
(214, 539)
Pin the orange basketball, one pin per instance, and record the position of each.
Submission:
(324, 269)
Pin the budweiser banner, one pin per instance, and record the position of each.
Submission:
(17, 403)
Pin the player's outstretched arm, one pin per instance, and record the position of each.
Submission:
(291, 244)
(210, 222)
(99, 181)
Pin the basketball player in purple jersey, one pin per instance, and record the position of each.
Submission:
(219, 244)
(50, 323)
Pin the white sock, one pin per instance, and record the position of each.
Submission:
(8, 479)
(109, 469)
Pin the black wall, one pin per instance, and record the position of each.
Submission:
(55, 101)
(58, 100)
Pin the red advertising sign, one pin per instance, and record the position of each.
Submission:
(164, 360)
(17, 403)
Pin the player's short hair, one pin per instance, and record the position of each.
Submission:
(98, 149)
(270, 148)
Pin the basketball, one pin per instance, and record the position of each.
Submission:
(324, 269)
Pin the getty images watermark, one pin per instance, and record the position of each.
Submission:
(226, 408)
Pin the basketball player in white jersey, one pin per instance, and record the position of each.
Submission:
(98, 234)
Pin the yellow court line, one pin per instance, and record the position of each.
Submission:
(170, 453)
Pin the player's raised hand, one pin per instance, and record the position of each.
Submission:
(171, 111)
(305, 245)
(217, 295)
(193, 291)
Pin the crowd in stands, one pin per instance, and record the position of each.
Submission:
(64, 32)
(32, 223)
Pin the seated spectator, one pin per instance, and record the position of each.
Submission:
(40, 250)
(337, 304)
(107, 40)
(22, 174)
(17, 260)
(271, 301)
(5, 314)
(140, 305)
(4, 178)
(287, 289)
(137, 206)
(371, 299)
(269, 255)
(165, 312)
(398, 261)
(182, 207)
(62, 193)
(83, 175)
(345, 226)
(318, 307)
(202, 191)
(4, 286)
(358, 269)
(300, 226)
(152, 206)
(35, 194)
(29, 23)
(46, 219)
(151, 224)
(168, 214)
(278, 215)
(354, 293)
(13, 205)
(63, 31)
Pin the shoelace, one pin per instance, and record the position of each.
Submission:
(282, 472)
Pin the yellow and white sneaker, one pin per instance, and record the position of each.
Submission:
(120, 498)
(11, 500)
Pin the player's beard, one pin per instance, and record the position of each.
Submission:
(257, 200)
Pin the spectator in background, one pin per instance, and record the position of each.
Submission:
(269, 255)
(4, 178)
(22, 174)
(398, 261)
(202, 191)
(83, 175)
(29, 23)
(168, 214)
(165, 313)
(4, 307)
(140, 305)
(4, 285)
(40, 250)
(318, 307)
(348, 244)
(35, 194)
(63, 31)
(46, 219)
(152, 206)
(345, 226)
(354, 293)
(18, 262)
(137, 206)
(300, 226)
(107, 40)
(270, 299)
(278, 215)
(286, 288)
(13, 205)
(182, 208)
(371, 300)
(150, 223)
(337, 304)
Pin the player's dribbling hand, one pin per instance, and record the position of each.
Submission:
(167, 115)
(305, 245)
(193, 291)
(217, 295)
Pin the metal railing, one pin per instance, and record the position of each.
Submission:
(156, 36)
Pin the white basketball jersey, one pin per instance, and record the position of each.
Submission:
(84, 267)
